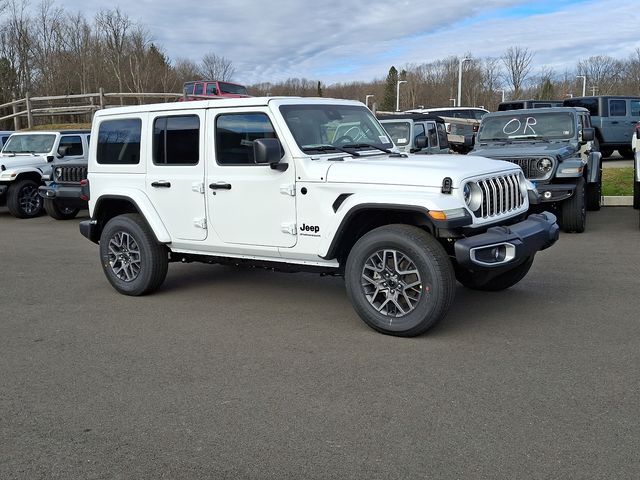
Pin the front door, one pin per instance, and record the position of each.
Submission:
(175, 174)
(248, 203)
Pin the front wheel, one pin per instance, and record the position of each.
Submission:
(594, 193)
(132, 260)
(59, 212)
(399, 280)
(636, 191)
(23, 199)
(574, 211)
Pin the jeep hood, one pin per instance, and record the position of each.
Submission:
(22, 161)
(416, 170)
(523, 149)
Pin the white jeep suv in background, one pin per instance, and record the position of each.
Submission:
(277, 183)
(25, 163)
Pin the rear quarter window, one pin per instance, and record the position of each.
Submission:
(119, 142)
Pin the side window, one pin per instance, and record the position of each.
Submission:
(617, 108)
(188, 88)
(197, 89)
(211, 89)
(119, 142)
(235, 133)
(176, 140)
(418, 130)
(442, 136)
(72, 144)
(635, 108)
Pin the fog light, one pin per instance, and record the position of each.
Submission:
(547, 195)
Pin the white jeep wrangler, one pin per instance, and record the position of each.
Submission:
(269, 182)
(25, 164)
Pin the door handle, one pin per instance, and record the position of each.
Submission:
(220, 186)
(614, 123)
(161, 183)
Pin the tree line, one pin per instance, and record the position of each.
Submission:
(47, 50)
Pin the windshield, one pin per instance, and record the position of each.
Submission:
(400, 132)
(527, 125)
(29, 144)
(334, 125)
(232, 88)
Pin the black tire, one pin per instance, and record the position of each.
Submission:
(59, 213)
(626, 152)
(606, 152)
(636, 195)
(431, 288)
(594, 193)
(23, 199)
(574, 210)
(132, 260)
(497, 283)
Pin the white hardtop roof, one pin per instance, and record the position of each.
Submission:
(224, 103)
(439, 109)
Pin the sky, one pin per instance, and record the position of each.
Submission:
(357, 40)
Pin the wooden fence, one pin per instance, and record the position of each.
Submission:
(80, 104)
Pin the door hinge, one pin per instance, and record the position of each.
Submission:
(197, 187)
(288, 190)
(289, 228)
(200, 223)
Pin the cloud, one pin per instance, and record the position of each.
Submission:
(344, 40)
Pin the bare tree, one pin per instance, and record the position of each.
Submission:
(215, 67)
(603, 72)
(517, 62)
(113, 27)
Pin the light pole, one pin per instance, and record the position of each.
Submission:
(584, 84)
(502, 91)
(453, 102)
(366, 100)
(462, 60)
(398, 94)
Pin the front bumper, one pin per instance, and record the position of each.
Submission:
(68, 195)
(505, 246)
(555, 192)
(89, 229)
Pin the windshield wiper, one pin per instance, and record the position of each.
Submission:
(528, 137)
(367, 145)
(326, 148)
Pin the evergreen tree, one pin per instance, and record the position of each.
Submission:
(319, 89)
(389, 100)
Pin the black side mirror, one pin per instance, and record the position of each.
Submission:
(62, 151)
(421, 142)
(588, 134)
(269, 151)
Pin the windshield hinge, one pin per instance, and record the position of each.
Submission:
(288, 190)
(197, 187)
(289, 228)
(200, 223)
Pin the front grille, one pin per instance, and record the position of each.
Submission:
(70, 174)
(500, 195)
(528, 166)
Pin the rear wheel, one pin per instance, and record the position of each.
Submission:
(132, 260)
(59, 212)
(574, 211)
(23, 199)
(497, 283)
(399, 280)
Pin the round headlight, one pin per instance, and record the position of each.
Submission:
(472, 196)
(544, 165)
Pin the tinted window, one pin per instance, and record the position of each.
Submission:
(503, 107)
(235, 134)
(442, 136)
(188, 88)
(197, 89)
(231, 88)
(72, 144)
(617, 108)
(211, 89)
(399, 131)
(119, 141)
(635, 108)
(418, 131)
(176, 140)
(590, 104)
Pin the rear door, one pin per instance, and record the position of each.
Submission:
(175, 171)
(618, 122)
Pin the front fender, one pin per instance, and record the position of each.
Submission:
(420, 202)
(12, 173)
(593, 164)
(142, 204)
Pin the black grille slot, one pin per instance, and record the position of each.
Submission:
(70, 174)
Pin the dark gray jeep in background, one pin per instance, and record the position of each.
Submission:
(556, 150)
(613, 118)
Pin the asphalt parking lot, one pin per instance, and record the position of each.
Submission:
(251, 374)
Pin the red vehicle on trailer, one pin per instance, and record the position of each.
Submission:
(213, 88)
